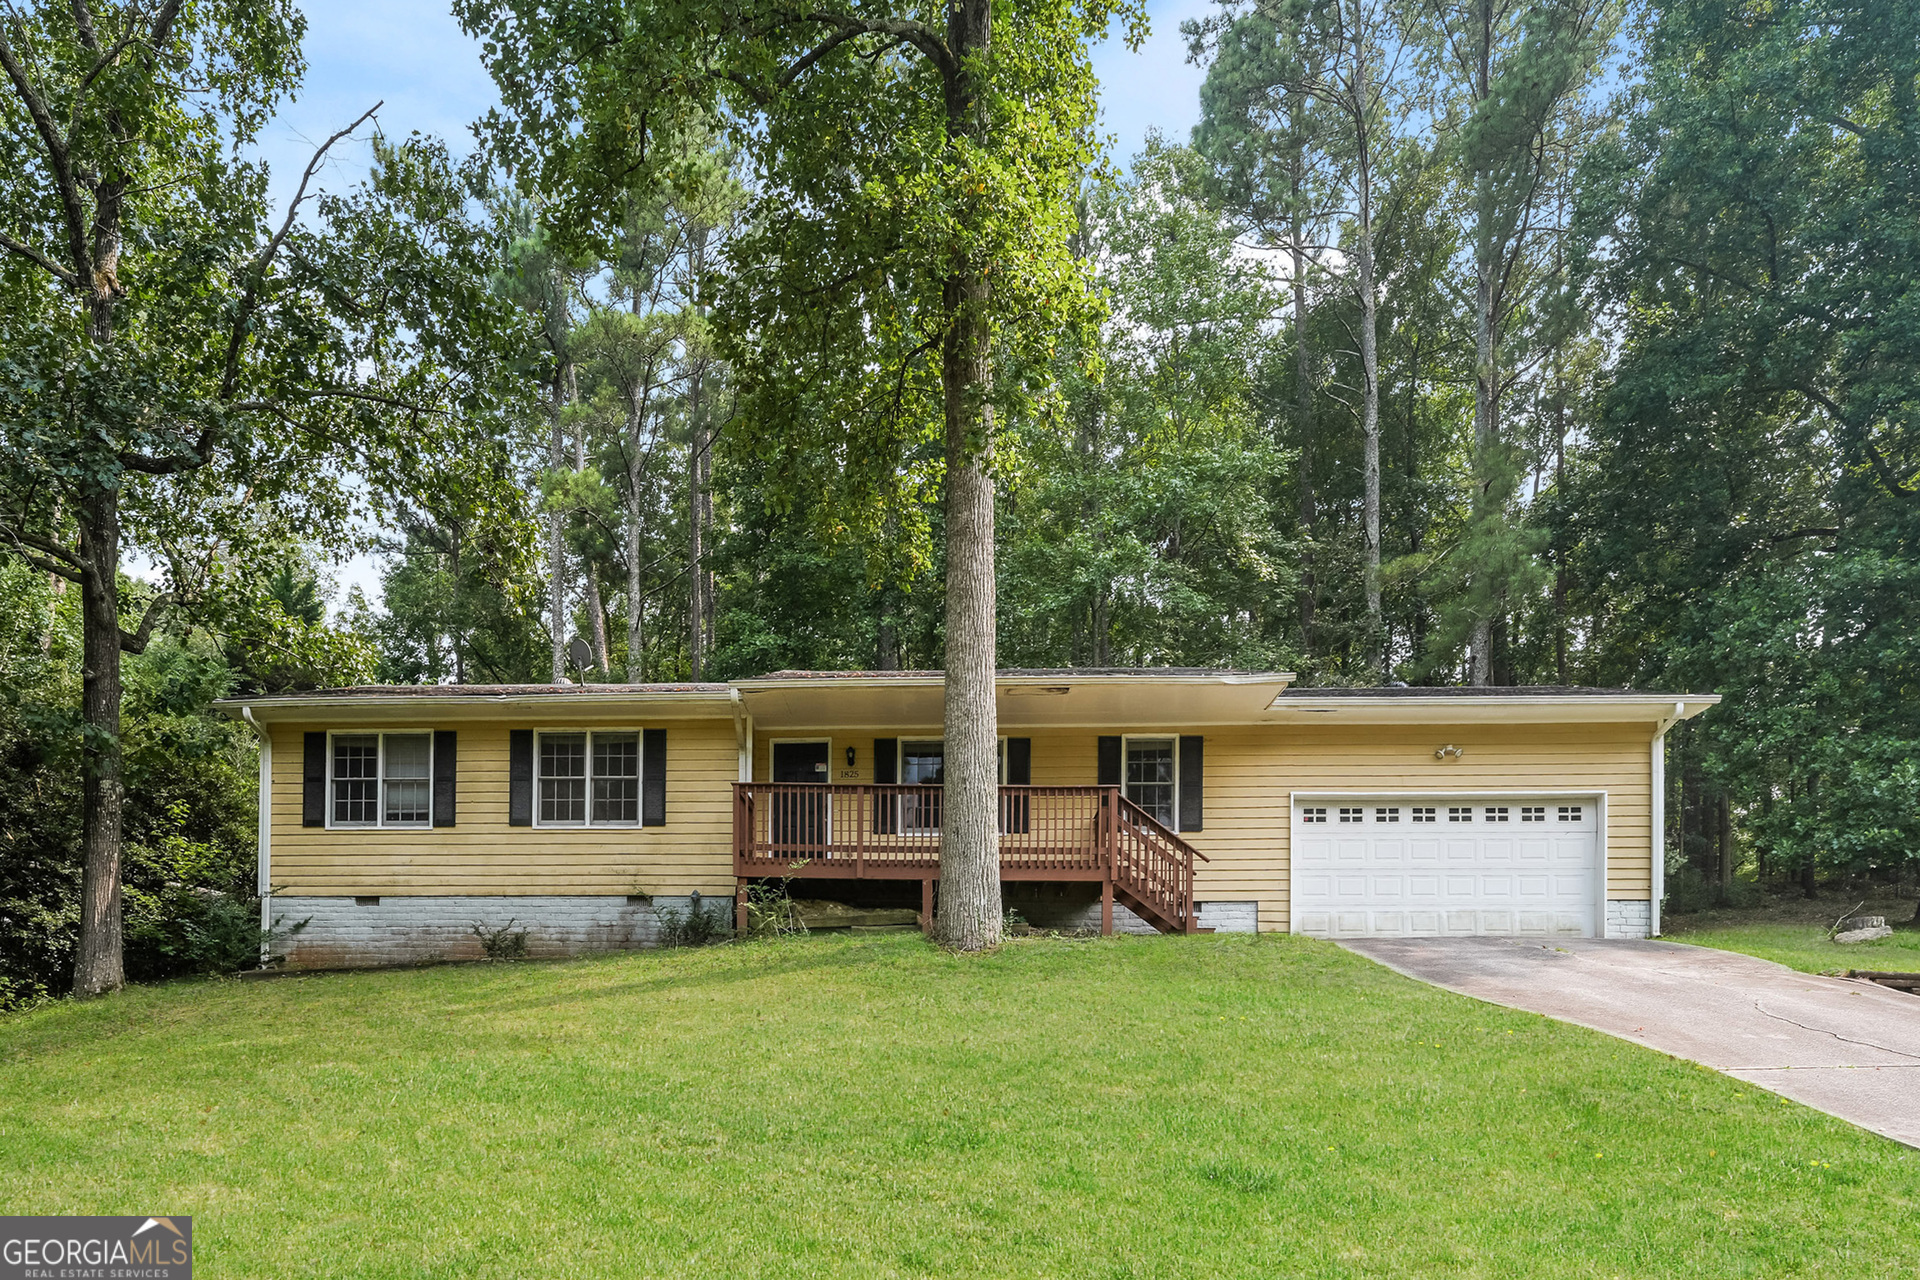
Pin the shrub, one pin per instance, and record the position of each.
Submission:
(504, 943)
(701, 923)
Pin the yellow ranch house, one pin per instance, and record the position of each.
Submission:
(400, 822)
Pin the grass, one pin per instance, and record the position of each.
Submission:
(1208, 1106)
(1793, 932)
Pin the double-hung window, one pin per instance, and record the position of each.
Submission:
(589, 779)
(380, 780)
(1152, 776)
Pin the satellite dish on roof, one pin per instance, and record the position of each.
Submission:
(580, 654)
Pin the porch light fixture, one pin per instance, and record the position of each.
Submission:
(1448, 752)
(849, 757)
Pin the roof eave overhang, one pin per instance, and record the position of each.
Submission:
(1052, 700)
(1533, 709)
(690, 703)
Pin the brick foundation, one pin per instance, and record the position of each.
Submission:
(355, 933)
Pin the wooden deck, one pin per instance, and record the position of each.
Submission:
(823, 831)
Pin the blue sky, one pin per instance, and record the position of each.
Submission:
(412, 56)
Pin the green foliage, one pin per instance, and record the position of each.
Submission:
(866, 201)
(1139, 529)
(703, 922)
(502, 943)
(191, 776)
(1747, 517)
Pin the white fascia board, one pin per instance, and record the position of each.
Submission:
(1596, 708)
(715, 703)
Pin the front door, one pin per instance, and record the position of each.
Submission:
(800, 817)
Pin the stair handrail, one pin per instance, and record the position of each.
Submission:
(1173, 855)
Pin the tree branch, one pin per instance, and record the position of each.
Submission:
(257, 269)
(43, 553)
(917, 34)
(62, 164)
(136, 641)
(33, 255)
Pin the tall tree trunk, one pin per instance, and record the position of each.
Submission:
(557, 537)
(590, 576)
(1370, 374)
(696, 533)
(459, 638)
(1724, 838)
(1485, 362)
(636, 612)
(1303, 415)
(969, 917)
(98, 965)
(597, 621)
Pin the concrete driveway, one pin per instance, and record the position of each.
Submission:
(1849, 1048)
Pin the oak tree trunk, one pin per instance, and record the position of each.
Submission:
(98, 966)
(970, 910)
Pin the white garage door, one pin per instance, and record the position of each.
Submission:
(1437, 865)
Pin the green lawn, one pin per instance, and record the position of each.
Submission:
(1793, 932)
(1206, 1106)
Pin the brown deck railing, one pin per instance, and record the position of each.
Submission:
(821, 830)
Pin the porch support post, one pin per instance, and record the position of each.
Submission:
(740, 908)
(926, 906)
(1106, 905)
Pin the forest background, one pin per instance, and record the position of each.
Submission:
(1558, 343)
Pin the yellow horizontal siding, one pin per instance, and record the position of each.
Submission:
(1251, 773)
(483, 854)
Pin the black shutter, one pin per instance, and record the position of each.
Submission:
(313, 782)
(1192, 781)
(520, 778)
(1109, 761)
(886, 772)
(446, 755)
(1018, 817)
(653, 778)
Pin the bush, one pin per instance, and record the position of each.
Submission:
(703, 922)
(503, 943)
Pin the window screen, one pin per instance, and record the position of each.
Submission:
(408, 780)
(563, 777)
(356, 779)
(616, 777)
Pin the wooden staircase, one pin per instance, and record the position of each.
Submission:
(1152, 870)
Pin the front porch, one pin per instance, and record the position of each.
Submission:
(1094, 835)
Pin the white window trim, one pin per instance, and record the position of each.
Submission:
(640, 764)
(380, 822)
(1173, 823)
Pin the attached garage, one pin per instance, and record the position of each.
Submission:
(1371, 865)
